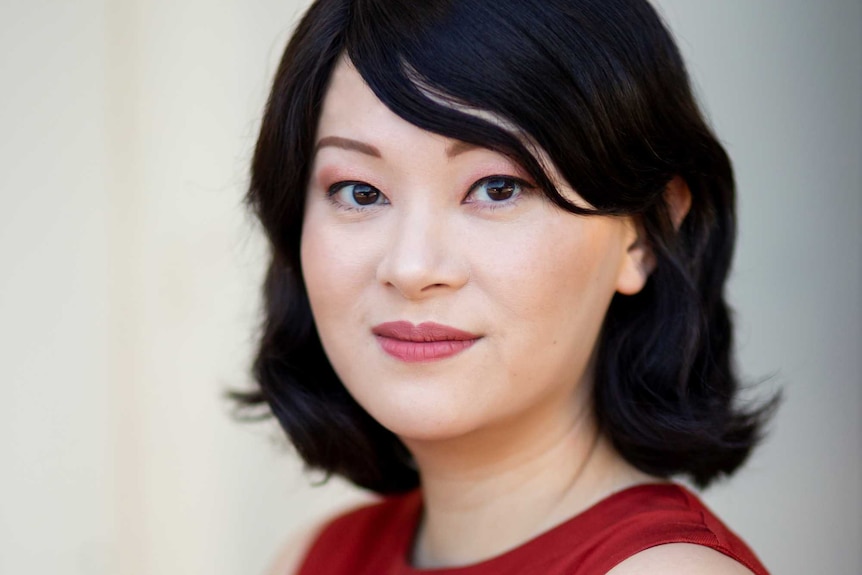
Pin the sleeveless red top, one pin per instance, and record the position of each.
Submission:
(377, 539)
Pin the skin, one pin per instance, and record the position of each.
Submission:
(503, 433)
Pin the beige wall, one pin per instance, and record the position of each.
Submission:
(129, 272)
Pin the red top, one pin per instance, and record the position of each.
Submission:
(377, 539)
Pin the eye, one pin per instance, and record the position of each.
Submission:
(356, 194)
(498, 189)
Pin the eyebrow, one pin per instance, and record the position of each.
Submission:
(457, 147)
(347, 144)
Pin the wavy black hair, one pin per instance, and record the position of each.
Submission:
(601, 88)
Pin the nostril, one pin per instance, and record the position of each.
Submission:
(421, 260)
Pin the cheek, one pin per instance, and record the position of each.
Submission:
(561, 270)
(333, 269)
(553, 289)
(335, 280)
(319, 266)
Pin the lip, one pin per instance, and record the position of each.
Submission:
(425, 342)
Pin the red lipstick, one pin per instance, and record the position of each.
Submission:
(424, 342)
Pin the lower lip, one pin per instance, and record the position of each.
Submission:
(423, 351)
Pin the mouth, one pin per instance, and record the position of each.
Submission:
(422, 343)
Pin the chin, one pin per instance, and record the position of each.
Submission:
(412, 430)
(425, 414)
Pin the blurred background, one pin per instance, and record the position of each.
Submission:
(129, 277)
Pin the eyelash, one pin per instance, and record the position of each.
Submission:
(333, 193)
(522, 187)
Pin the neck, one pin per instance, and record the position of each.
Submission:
(487, 493)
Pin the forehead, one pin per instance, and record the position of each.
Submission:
(349, 103)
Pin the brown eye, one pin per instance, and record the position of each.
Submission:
(365, 195)
(500, 189)
(354, 195)
(497, 189)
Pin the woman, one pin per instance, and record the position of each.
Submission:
(500, 232)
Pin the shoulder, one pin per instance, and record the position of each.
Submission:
(665, 528)
(345, 538)
(680, 559)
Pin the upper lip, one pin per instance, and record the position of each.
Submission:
(424, 332)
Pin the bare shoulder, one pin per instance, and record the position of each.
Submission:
(679, 559)
(291, 554)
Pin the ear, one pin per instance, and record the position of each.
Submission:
(677, 198)
(639, 260)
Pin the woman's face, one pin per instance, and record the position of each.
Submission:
(450, 295)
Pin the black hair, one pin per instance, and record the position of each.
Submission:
(601, 88)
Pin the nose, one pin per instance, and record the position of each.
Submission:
(423, 256)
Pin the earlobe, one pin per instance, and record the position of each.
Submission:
(639, 260)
